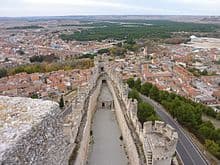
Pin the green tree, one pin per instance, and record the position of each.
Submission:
(213, 147)
(117, 51)
(6, 59)
(134, 95)
(153, 118)
(154, 93)
(130, 82)
(130, 41)
(3, 72)
(209, 111)
(218, 116)
(145, 88)
(206, 130)
(145, 112)
(34, 96)
(137, 84)
(61, 102)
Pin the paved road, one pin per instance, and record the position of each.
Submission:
(188, 152)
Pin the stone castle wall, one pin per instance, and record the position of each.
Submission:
(84, 143)
(126, 132)
(149, 128)
(43, 143)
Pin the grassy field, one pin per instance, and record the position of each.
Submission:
(215, 122)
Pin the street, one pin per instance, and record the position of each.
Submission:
(188, 152)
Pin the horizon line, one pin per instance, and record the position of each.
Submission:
(86, 15)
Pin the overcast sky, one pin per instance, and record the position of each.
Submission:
(108, 7)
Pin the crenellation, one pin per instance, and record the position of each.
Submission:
(147, 127)
(128, 104)
(163, 137)
(126, 90)
(134, 106)
(138, 128)
(159, 127)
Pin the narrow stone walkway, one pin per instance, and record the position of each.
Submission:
(107, 148)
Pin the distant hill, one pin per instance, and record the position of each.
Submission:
(179, 18)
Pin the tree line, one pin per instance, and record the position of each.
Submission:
(186, 112)
(25, 27)
(147, 29)
(44, 58)
(47, 67)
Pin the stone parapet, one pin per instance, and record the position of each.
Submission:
(32, 132)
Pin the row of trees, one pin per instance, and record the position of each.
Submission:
(197, 72)
(185, 111)
(42, 58)
(47, 67)
(25, 27)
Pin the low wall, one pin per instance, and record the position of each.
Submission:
(126, 132)
(82, 153)
(44, 143)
